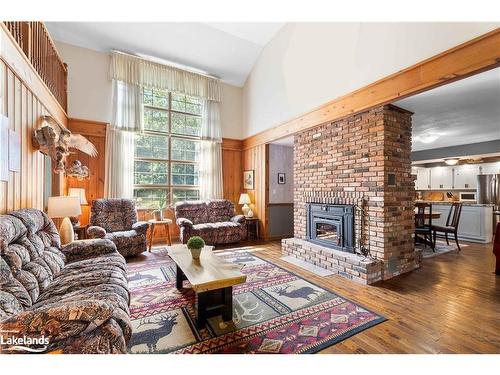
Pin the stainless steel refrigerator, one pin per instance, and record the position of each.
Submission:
(488, 192)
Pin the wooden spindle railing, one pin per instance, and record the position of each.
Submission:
(36, 43)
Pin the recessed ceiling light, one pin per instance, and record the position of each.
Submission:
(451, 161)
(428, 137)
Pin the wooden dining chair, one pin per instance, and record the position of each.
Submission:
(451, 224)
(423, 224)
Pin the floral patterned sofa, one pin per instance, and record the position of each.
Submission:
(75, 295)
(213, 220)
(116, 220)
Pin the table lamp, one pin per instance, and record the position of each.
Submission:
(63, 207)
(245, 201)
(80, 194)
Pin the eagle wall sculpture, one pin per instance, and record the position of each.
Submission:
(55, 141)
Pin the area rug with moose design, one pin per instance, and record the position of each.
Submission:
(275, 311)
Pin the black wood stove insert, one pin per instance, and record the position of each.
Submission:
(331, 225)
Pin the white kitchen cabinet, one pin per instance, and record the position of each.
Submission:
(452, 177)
(490, 168)
(475, 222)
(423, 178)
(465, 176)
(441, 177)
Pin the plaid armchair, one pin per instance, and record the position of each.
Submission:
(213, 220)
(75, 295)
(116, 220)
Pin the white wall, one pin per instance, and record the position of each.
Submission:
(280, 161)
(309, 64)
(280, 216)
(231, 112)
(89, 90)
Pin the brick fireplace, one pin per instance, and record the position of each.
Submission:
(363, 161)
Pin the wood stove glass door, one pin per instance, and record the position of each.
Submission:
(327, 231)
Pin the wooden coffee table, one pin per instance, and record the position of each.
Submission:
(211, 278)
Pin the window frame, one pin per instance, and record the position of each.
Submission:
(170, 136)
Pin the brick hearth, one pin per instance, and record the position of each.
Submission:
(351, 266)
(356, 155)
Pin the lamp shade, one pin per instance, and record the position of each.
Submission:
(244, 199)
(78, 192)
(64, 207)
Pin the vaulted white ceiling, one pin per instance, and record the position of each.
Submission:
(225, 50)
(463, 112)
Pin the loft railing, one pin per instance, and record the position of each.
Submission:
(37, 45)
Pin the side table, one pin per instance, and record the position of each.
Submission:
(252, 224)
(80, 232)
(154, 223)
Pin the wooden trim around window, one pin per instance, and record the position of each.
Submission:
(475, 56)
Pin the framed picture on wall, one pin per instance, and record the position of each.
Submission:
(4, 148)
(281, 178)
(248, 180)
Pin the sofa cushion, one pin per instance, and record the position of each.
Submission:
(113, 214)
(194, 211)
(92, 275)
(219, 210)
(41, 231)
(228, 232)
(14, 298)
(207, 231)
(29, 248)
(128, 242)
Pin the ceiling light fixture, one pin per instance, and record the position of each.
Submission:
(451, 161)
(428, 137)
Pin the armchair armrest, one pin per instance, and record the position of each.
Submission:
(58, 321)
(183, 222)
(240, 219)
(96, 232)
(84, 249)
(141, 227)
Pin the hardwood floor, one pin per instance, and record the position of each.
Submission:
(450, 305)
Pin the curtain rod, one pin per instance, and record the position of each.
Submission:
(159, 63)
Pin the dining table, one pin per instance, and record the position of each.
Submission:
(435, 215)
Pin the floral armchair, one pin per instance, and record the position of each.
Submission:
(116, 220)
(213, 220)
(74, 296)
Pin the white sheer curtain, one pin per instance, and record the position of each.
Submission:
(127, 119)
(129, 75)
(210, 167)
(146, 73)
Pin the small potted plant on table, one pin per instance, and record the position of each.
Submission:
(195, 245)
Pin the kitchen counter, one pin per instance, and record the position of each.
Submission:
(472, 204)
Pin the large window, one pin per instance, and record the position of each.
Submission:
(166, 155)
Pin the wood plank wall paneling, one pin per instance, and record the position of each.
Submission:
(24, 110)
(232, 170)
(257, 159)
(95, 132)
